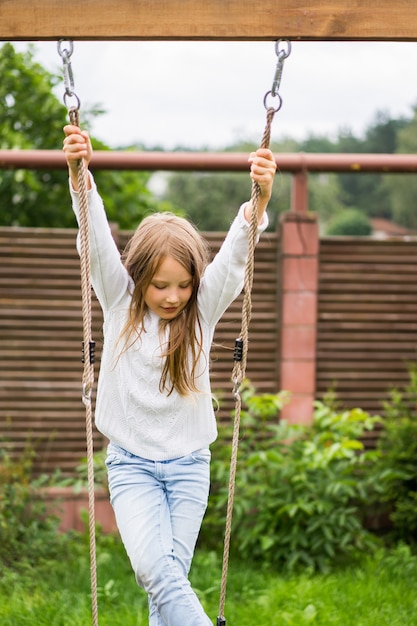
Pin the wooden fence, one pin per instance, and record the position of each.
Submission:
(366, 333)
(367, 318)
(41, 333)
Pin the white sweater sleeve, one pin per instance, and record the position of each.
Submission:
(222, 281)
(224, 276)
(109, 277)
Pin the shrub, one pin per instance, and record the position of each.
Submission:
(395, 474)
(27, 532)
(350, 222)
(80, 480)
(300, 489)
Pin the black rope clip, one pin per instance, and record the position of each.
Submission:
(221, 621)
(238, 351)
(91, 352)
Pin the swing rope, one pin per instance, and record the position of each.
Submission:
(88, 346)
(88, 350)
(241, 345)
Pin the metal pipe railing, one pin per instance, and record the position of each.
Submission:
(209, 161)
(298, 164)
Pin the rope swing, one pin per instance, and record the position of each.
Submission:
(282, 49)
(88, 346)
(241, 344)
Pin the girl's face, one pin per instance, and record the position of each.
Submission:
(170, 289)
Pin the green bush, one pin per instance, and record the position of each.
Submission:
(28, 533)
(395, 474)
(300, 489)
(350, 222)
(80, 480)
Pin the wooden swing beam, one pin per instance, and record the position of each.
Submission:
(379, 20)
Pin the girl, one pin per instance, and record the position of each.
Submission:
(161, 303)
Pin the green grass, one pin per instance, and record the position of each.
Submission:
(379, 591)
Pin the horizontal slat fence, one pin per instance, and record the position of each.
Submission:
(367, 318)
(41, 333)
(367, 333)
(40, 347)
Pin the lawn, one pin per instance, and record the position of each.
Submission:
(378, 591)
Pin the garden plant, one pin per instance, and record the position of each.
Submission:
(301, 551)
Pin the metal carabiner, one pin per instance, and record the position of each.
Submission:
(282, 54)
(65, 55)
(68, 77)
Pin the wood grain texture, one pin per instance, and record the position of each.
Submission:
(205, 20)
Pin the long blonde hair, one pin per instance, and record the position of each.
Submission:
(158, 236)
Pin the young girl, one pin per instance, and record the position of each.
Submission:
(161, 303)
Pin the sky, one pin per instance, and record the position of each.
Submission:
(211, 94)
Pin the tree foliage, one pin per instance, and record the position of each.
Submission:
(209, 200)
(382, 195)
(402, 187)
(31, 117)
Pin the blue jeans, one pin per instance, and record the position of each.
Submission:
(159, 507)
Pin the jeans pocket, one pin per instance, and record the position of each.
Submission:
(198, 456)
(201, 456)
(112, 459)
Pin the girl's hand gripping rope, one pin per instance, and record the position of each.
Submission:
(262, 172)
(77, 146)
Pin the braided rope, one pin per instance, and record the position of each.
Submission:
(88, 374)
(239, 368)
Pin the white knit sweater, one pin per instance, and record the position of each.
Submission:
(130, 409)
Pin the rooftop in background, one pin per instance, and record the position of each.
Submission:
(382, 228)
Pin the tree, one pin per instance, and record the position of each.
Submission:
(324, 196)
(403, 187)
(317, 143)
(211, 201)
(31, 117)
(367, 192)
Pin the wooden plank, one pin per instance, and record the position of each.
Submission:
(208, 20)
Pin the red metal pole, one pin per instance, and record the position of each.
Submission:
(208, 161)
(299, 192)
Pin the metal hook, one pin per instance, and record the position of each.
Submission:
(236, 389)
(284, 54)
(63, 51)
(87, 391)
